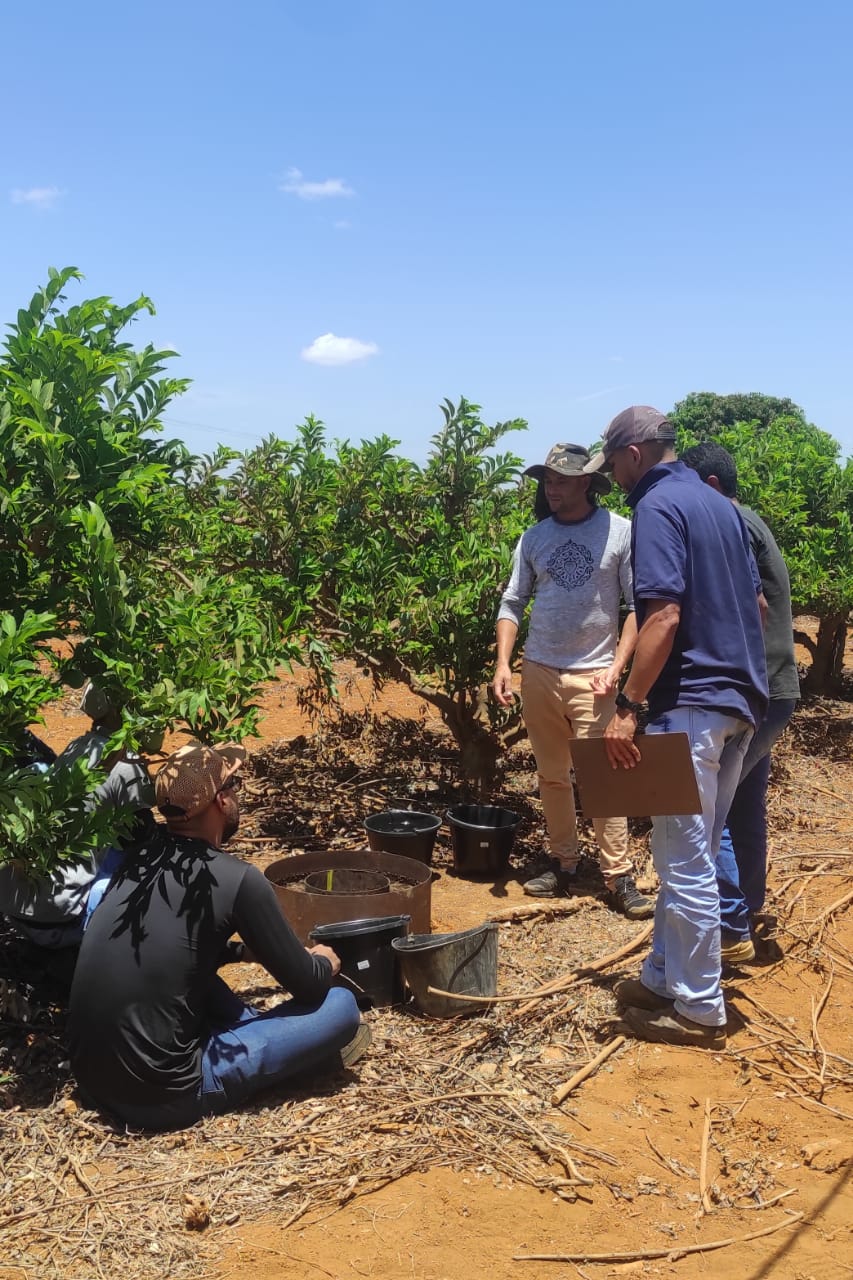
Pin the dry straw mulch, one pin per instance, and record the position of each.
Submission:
(83, 1199)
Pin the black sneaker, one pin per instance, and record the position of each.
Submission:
(553, 882)
(624, 896)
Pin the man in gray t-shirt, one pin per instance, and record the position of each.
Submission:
(576, 568)
(49, 910)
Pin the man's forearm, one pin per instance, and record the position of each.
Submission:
(654, 645)
(627, 642)
(506, 634)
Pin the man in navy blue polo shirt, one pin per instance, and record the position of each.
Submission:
(700, 663)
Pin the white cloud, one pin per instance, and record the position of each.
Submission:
(597, 395)
(330, 349)
(295, 184)
(37, 197)
(342, 224)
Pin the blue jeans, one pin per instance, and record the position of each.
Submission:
(684, 962)
(112, 861)
(742, 855)
(248, 1051)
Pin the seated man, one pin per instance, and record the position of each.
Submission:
(49, 910)
(156, 1036)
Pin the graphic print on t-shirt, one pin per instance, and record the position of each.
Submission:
(571, 565)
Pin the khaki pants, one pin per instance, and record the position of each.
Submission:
(558, 706)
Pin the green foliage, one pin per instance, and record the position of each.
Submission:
(77, 410)
(704, 414)
(93, 508)
(45, 819)
(265, 518)
(24, 685)
(415, 595)
(790, 472)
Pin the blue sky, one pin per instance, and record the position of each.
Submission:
(555, 209)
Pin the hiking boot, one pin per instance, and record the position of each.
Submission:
(737, 952)
(636, 995)
(357, 1047)
(673, 1028)
(553, 882)
(624, 896)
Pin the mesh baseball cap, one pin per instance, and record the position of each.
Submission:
(569, 460)
(636, 425)
(191, 778)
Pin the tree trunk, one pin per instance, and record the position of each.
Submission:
(824, 675)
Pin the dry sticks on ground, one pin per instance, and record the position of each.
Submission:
(672, 1255)
(83, 1200)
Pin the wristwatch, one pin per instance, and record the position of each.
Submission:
(625, 704)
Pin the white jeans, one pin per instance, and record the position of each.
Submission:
(684, 962)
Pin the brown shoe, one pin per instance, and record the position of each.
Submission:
(356, 1048)
(636, 995)
(740, 952)
(673, 1028)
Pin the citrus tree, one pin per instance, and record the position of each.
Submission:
(792, 474)
(377, 559)
(414, 598)
(93, 504)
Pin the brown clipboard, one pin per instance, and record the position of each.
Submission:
(662, 783)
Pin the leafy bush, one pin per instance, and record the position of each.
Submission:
(94, 510)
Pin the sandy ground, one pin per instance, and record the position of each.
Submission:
(646, 1107)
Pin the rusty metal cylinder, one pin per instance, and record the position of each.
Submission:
(410, 891)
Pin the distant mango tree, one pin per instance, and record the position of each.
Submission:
(792, 474)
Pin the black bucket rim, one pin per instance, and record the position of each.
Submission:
(433, 824)
(432, 941)
(480, 826)
(356, 928)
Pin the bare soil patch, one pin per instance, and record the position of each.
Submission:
(442, 1151)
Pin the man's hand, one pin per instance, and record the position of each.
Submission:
(502, 684)
(329, 954)
(619, 740)
(606, 681)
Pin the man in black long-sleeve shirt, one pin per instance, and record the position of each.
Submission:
(156, 1036)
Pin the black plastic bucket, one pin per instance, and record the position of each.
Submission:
(364, 948)
(465, 962)
(403, 831)
(482, 836)
(346, 880)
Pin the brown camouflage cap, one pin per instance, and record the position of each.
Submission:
(191, 778)
(569, 460)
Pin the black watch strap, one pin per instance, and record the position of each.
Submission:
(625, 704)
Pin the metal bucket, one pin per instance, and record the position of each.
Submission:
(465, 963)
